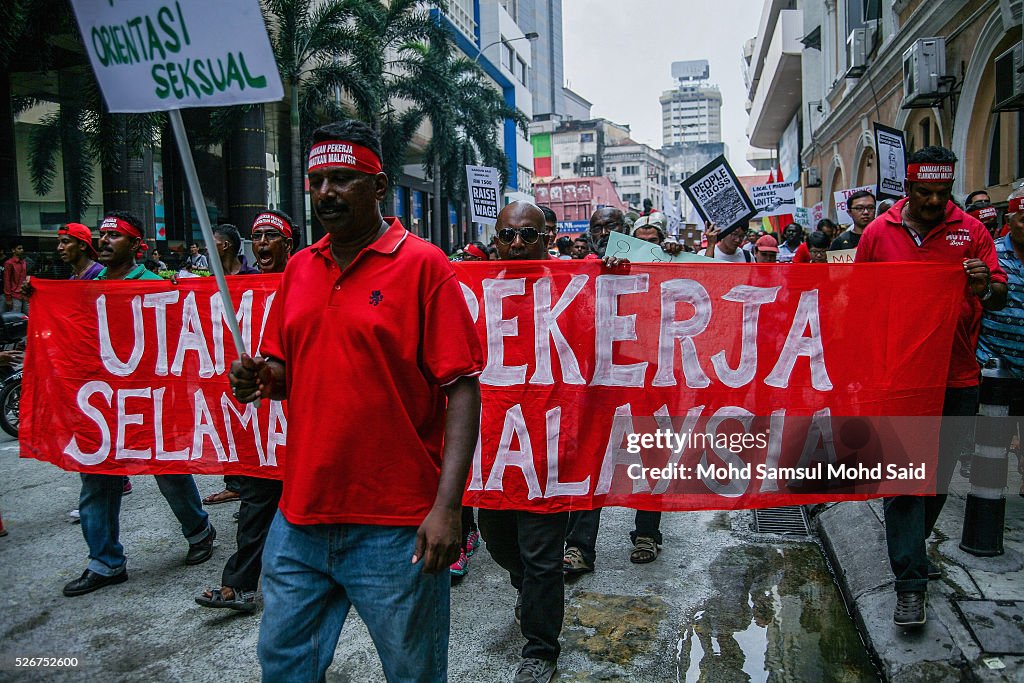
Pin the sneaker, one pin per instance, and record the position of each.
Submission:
(910, 608)
(75, 516)
(533, 670)
(460, 567)
(517, 611)
(127, 488)
(573, 562)
(472, 542)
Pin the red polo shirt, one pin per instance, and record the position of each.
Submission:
(367, 352)
(959, 237)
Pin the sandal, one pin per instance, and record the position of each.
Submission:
(241, 601)
(645, 550)
(224, 496)
(573, 562)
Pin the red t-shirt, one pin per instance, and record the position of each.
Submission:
(959, 237)
(367, 352)
(802, 254)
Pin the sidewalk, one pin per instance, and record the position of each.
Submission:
(969, 635)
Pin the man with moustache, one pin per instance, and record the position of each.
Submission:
(528, 545)
(272, 244)
(928, 226)
(371, 342)
(100, 501)
(603, 223)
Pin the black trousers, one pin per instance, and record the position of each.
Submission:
(909, 520)
(529, 547)
(584, 525)
(259, 504)
(232, 484)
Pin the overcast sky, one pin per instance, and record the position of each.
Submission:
(618, 54)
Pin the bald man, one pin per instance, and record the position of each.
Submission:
(528, 545)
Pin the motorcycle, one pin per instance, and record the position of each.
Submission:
(13, 330)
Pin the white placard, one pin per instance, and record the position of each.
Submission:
(842, 215)
(774, 199)
(484, 186)
(158, 56)
(842, 256)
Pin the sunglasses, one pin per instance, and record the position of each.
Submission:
(528, 235)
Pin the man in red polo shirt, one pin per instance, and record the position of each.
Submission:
(368, 337)
(928, 226)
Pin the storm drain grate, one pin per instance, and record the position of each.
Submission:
(788, 520)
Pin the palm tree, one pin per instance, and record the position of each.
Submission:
(327, 49)
(465, 112)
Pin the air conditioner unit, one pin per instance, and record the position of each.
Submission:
(924, 71)
(857, 47)
(1010, 79)
(812, 178)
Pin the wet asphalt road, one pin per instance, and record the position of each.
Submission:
(719, 604)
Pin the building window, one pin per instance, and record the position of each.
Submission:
(507, 55)
(586, 137)
(630, 170)
(522, 71)
(926, 133)
(566, 165)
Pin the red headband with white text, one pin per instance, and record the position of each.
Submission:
(118, 225)
(1016, 204)
(930, 173)
(344, 154)
(272, 220)
(985, 213)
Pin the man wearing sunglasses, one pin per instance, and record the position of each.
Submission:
(371, 342)
(528, 545)
(272, 245)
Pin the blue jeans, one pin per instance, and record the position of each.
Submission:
(313, 574)
(99, 506)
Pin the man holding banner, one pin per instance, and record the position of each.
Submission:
(100, 501)
(369, 335)
(528, 545)
(928, 226)
(272, 244)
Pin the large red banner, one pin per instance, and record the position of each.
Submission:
(660, 386)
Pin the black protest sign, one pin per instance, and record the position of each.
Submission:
(719, 198)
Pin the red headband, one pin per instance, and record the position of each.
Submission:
(270, 220)
(1016, 204)
(476, 251)
(344, 154)
(930, 173)
(985, 213)
(118, 225)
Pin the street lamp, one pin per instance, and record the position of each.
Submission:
(532, 35)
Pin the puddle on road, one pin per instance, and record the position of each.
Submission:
(776, 616)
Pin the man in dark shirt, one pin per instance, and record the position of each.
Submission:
(861, 207)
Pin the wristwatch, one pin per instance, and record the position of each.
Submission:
(987, 294)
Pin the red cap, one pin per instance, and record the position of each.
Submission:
(79, 232)
(1016, 204)
(766, 243)
(475, 251)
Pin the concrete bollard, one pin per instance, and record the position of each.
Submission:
(985, 512)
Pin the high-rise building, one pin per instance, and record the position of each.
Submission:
(692, 112)
(543, 17)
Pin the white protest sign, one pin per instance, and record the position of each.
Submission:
(484, 193)
(842, 215)
(774, 199)
(717, 195)
(624, 246)
(842, 256)
(802, 216)
(159, 56)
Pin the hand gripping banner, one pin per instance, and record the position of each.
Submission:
(661, 386)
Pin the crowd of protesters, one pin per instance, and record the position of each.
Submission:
(405, 533)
